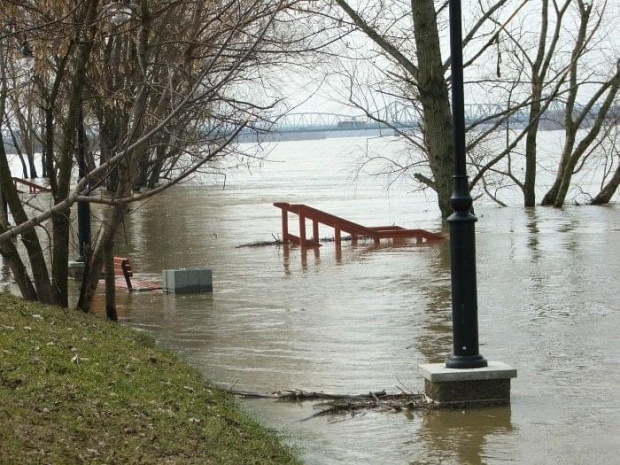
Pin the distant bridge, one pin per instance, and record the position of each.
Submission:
(395, 115)
(400, 116)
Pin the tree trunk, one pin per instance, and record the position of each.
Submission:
(604, 197)
(61, 219)
(28, 144)
(143, 174)
(18, 150)
(155, 174)
(103, 251)
(30, 238)
(562, 190)
(43, 142)
(104, 248)
(551, 196)
(32, 165)
(571, 154)
(435, 101)
(23, 115)
(432, 91)
(92, 274)
(529, 185)
(20, 274)
(539, 71)
(110, 281)
(43, 167)
(139, 166)
(60, 258)
(109, 139)
(20, 155)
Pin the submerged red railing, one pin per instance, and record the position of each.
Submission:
(340, 225)
(32, 187)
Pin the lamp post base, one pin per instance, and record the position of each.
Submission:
(458, 388)
(466, 361)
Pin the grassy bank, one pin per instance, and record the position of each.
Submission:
(77, 389)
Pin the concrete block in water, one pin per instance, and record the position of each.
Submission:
(187, 281)
(452, 387)
(76, 270)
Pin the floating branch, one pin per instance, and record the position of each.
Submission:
(260, 244)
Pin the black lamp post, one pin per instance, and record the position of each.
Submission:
(462, 221)
(83, 208)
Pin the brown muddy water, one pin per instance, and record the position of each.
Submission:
(548, 289)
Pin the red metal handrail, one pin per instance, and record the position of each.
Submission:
(32, 187)
(340, 224)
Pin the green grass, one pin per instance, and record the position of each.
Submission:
(77, 389)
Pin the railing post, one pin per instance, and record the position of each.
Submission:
(284, 225)
(83, 208)
(315, 231)
(302, 229)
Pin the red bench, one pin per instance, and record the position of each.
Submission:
(123, 269)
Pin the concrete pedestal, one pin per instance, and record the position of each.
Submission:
(450, 387)
(187, 281)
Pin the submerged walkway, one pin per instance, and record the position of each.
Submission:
(356, 230)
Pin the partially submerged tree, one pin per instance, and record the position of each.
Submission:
(516, 67)
(611, 157)
(569, 83)
(420, 74)
(579, 138)
(163, 81)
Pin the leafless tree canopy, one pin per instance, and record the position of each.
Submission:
(534, 65)
(151, 91)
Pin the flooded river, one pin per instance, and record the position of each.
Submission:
(548, 289)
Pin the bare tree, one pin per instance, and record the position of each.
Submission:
(517, 67)
(410, 43)
(164, 83)
(595, 108)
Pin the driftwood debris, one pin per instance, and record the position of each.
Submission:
(260, 244)
(346, 403)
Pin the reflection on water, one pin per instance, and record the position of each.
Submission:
(458, 436)
(361, 318)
